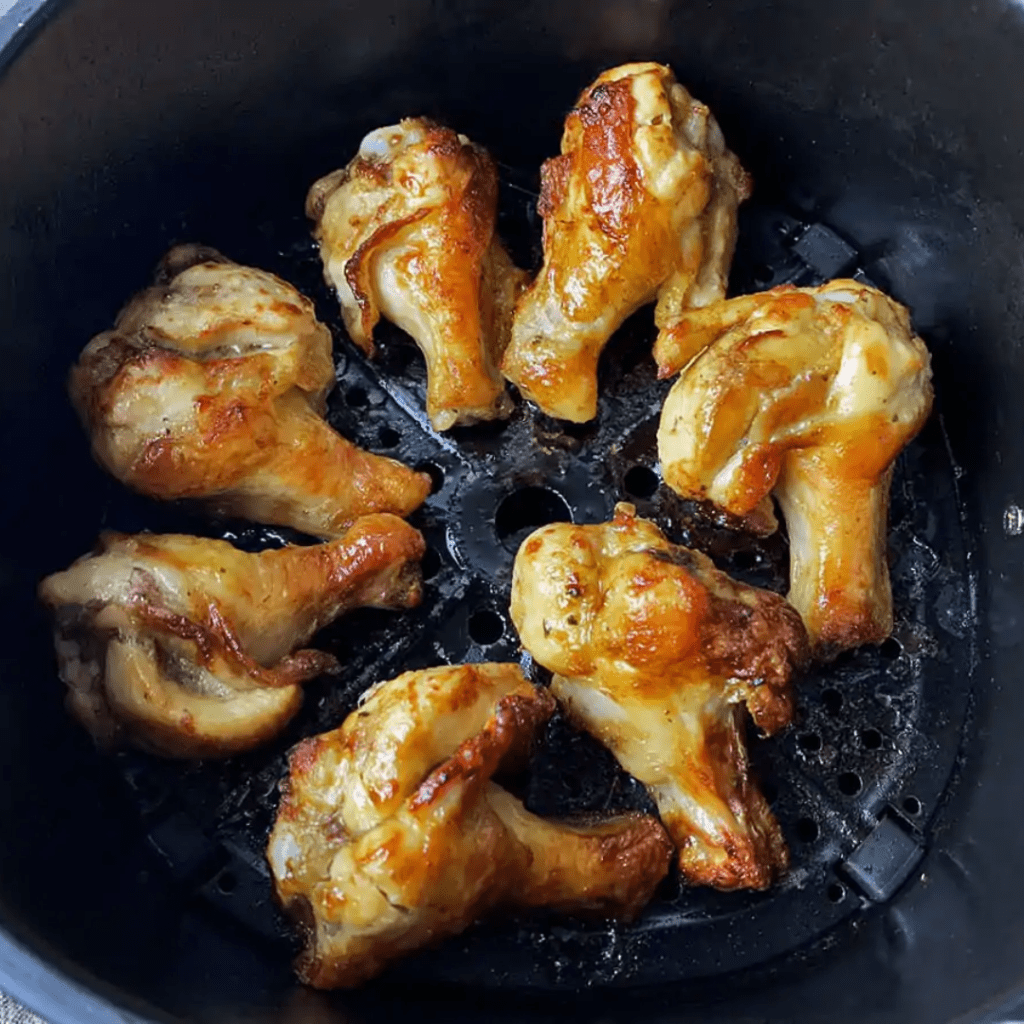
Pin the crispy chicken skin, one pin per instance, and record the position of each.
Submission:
(212, 385)
(392, 834)
(185, 647)
(641, 205)
(808, 394)
(406, 231)
(654, 651)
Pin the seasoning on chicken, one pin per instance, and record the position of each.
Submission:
(641, 205)
(808, 394)
(406, 231)
(185, 647)
(392, 833)
(654, 652)
(212, 385)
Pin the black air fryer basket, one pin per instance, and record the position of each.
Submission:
(886, 141)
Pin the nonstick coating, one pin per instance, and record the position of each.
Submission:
(865, 769)
(883, 138)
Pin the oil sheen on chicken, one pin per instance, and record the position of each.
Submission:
(392, 833)
(406, 231)
(641, 205)
(655, 651)
(808, 394)
(212, 385)
(186, 647)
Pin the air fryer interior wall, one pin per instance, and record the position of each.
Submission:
(124, 127)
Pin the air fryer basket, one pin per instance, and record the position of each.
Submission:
(884, 144)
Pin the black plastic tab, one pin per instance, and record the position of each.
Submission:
(861, 278)
(883, 861)
(240, 891)
(183, 846)
(824, 251)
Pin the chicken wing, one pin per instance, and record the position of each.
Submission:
(392, 835)
(808, 394)
(406, 231)
(654, 651)
(641, 205)
(184, 646)
(212, 385)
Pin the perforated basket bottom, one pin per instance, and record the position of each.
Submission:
(856, 783)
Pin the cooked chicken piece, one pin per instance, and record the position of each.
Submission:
(808, 394)
(641, 205)
(186, 647)
(406, 231)
(212, 385)
(655, 650)
(392, 835)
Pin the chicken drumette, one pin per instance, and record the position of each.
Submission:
(212, 385)
(808, 394)
(185, 647)
(392, 835)
(655, 651)
(641, 205)
(406, 231)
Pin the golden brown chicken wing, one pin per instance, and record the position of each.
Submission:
(406, 231)
(212, 386)
(655, 651)
(641, 205)
(392, 835)
(185, 647)
(808, 394)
